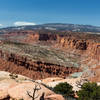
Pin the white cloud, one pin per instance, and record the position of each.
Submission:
(1, 25)
(20, 23)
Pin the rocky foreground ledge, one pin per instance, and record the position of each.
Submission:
(17, 87)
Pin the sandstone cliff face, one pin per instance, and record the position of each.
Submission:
(34, 69)
(74, 42)
(31, 38)
(89, 47)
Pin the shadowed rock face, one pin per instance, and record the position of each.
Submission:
(81, 46)
(46, 37)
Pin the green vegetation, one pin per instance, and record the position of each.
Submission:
(89, 91)
(13, 76)
(65, 89)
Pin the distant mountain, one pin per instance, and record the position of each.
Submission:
(55, 26)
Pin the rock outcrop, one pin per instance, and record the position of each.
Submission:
(33, 69)
(17, 89)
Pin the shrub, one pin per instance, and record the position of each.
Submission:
(65, 89)
(89, 91)
(13, 76)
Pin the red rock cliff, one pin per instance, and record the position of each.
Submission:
(35, 70)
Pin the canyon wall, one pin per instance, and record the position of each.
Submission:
(88, 47)
(40, 69)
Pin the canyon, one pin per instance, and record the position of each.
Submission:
(42, 54)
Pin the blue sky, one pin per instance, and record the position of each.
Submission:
(49, 11)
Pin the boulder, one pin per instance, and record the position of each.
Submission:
(5, 85)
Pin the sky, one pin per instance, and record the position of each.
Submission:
(31, 12)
